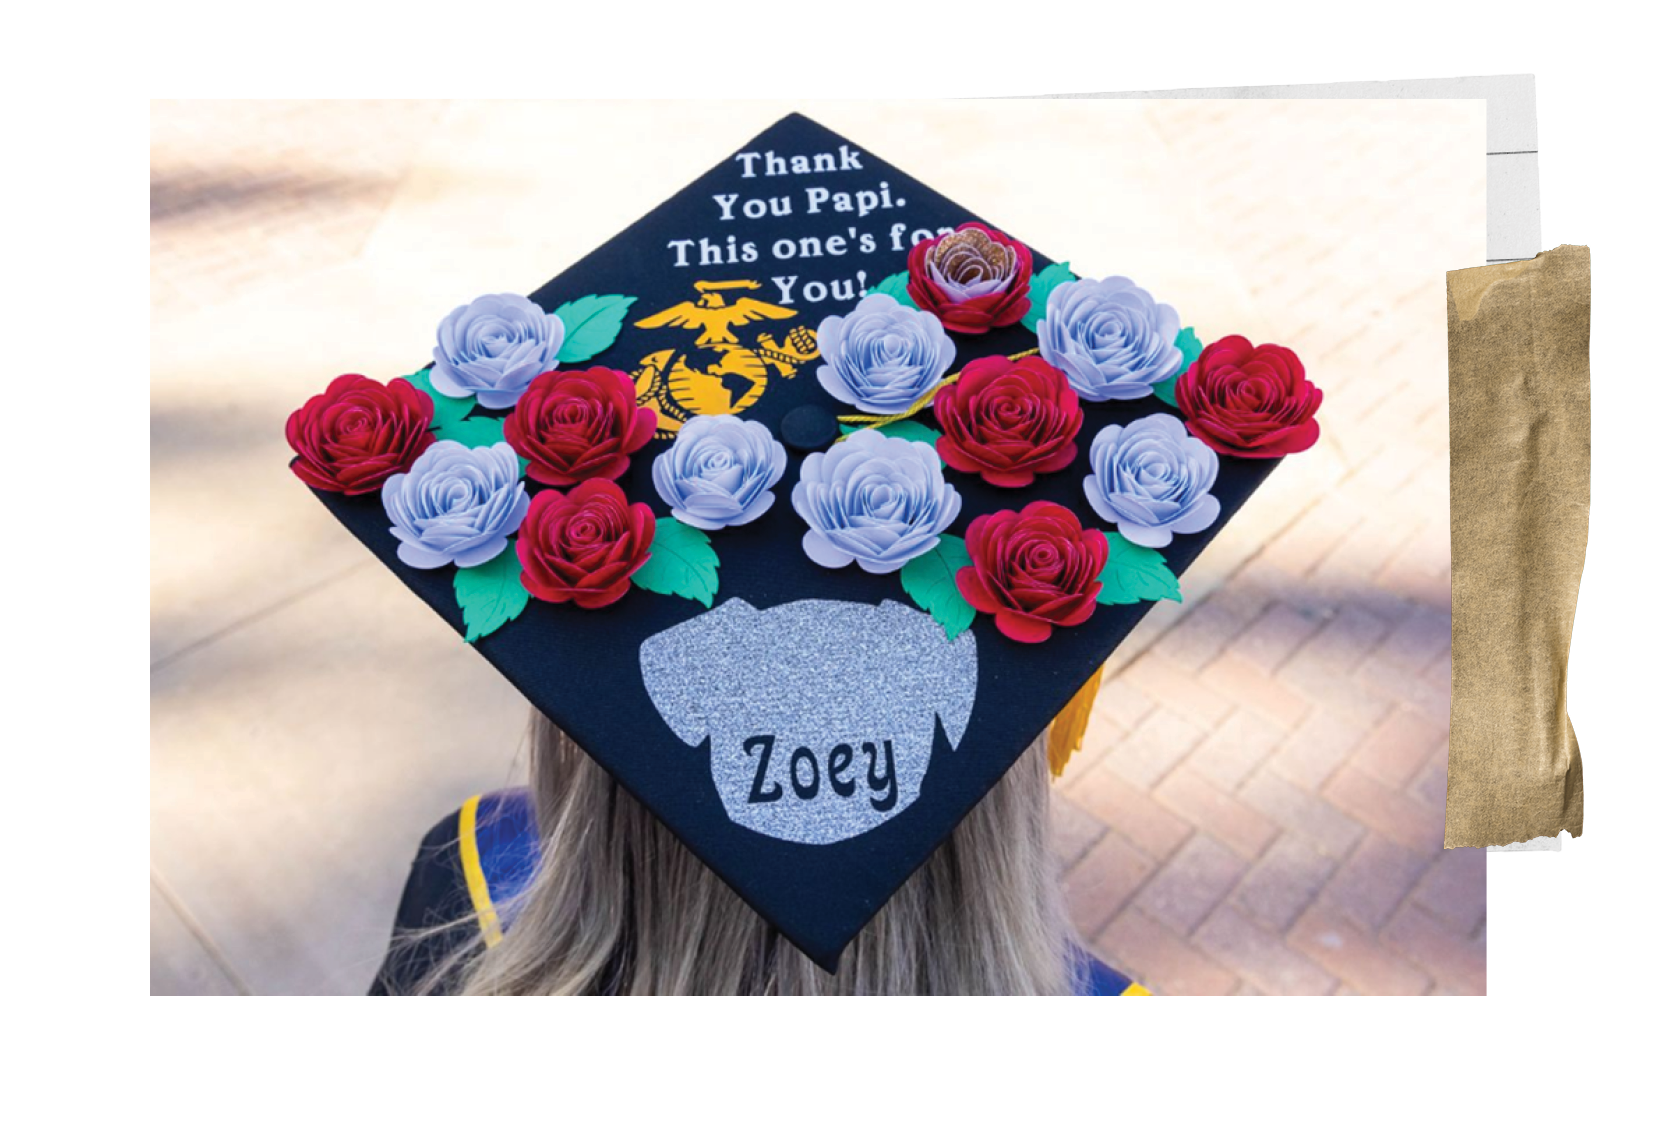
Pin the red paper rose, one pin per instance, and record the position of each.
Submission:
(1033, 569)
(1249, 401)
(573, 425)
(583, 545)
(359, 433)
(1008, 421)
(973, 278)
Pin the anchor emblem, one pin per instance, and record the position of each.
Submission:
(717, 375)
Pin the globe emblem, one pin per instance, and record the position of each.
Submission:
(717, 375)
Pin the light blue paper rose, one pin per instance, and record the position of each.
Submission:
(457, 506)
(883, 356)
(719, 471)
(1110, 338)
(491, 349)
(1152, 480)
(878, 501)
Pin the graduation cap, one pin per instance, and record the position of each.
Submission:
(805, 504)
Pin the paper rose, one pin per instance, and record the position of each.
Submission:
(457, 506)
(1008, 421)
(1152, 480)
(1110, 338)
(719, 471)
(1249, 401)
(492, 348)
(583, 545)
(974, 278)
(359, 433)
(572, 425)
(1034, 569)
(878, 501)
(883, 356)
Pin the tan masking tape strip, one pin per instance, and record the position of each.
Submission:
(1519, 417)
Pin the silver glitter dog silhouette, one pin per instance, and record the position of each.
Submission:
(820, 714)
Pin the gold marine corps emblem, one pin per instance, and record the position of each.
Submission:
(717, 375)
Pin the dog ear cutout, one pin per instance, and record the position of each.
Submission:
(952, 666)
(674, 663)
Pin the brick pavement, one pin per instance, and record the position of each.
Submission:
(1258, 806)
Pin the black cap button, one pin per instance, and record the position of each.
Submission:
(809, 428)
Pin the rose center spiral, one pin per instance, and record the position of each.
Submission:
(1041, 559)
(1012, 410)
(576, 413)
(969, 257)
(883, 499)
(717, 461)
(584, 531)
(456, 494)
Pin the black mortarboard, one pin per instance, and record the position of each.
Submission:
(808, 648)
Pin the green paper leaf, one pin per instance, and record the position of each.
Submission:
(1041, 286)
(490, 595)
(446, 410)
(591, 324)
(897, 286)
(929, 580)
(681, 564)
(909, 431)
(474, 432)
(1190, 348)
(1135, 573)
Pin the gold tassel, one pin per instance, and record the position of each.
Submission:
(1066, 732)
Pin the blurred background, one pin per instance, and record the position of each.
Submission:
(1258, 806)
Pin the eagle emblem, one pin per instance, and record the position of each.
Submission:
(717, 375)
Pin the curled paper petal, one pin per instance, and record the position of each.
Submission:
(491, 349)
(974, 279)
(1110, 337)
(1008, 420)
(883, 357)
(1152, 480)
(358, 433)
(719, 471)
(456, 506)
(1249, 401)
(1035, 569)
(573, 425)
(878, 501)
(584, 545)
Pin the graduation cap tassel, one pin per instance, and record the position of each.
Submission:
(1066, 732)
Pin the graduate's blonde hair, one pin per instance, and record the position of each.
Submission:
(620, 906)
